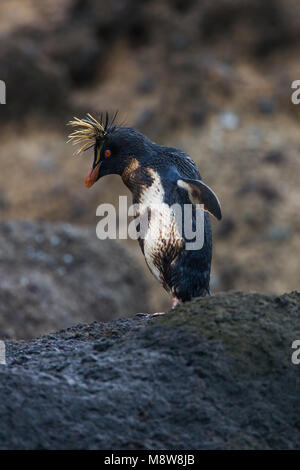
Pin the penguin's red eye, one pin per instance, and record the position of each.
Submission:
(107, 153)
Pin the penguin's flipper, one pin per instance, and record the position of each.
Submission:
(200, 193)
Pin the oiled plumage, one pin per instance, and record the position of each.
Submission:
(158, 178)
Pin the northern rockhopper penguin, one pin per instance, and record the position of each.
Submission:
(158, 177)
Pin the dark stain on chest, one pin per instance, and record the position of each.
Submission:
(137, 178)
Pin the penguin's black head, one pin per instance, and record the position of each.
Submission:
(127, 152)
(115, 147)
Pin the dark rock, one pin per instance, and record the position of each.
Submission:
(4, 204)
(275, 156)
(106, 19)
(268, 191)
(266, 106)
(183, 6)
(227, 227)
(79, 51)
(229, 273)
(267, 25)
(264, 188)
(145, 117)
(35, 85)
(53, 275)
(198, 116)
(279, 233)
(216, 373)
(146, 85)
(179, 41)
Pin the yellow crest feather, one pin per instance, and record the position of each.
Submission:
(89, 130)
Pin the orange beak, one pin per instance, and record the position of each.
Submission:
(92, 176)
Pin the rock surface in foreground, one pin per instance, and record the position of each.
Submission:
(214, 374)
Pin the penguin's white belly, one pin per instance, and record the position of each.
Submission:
(162, 238)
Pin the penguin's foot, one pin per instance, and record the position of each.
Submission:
(175, 302)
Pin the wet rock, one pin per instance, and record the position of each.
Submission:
(216, 373)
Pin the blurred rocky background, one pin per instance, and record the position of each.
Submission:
(212, 78)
